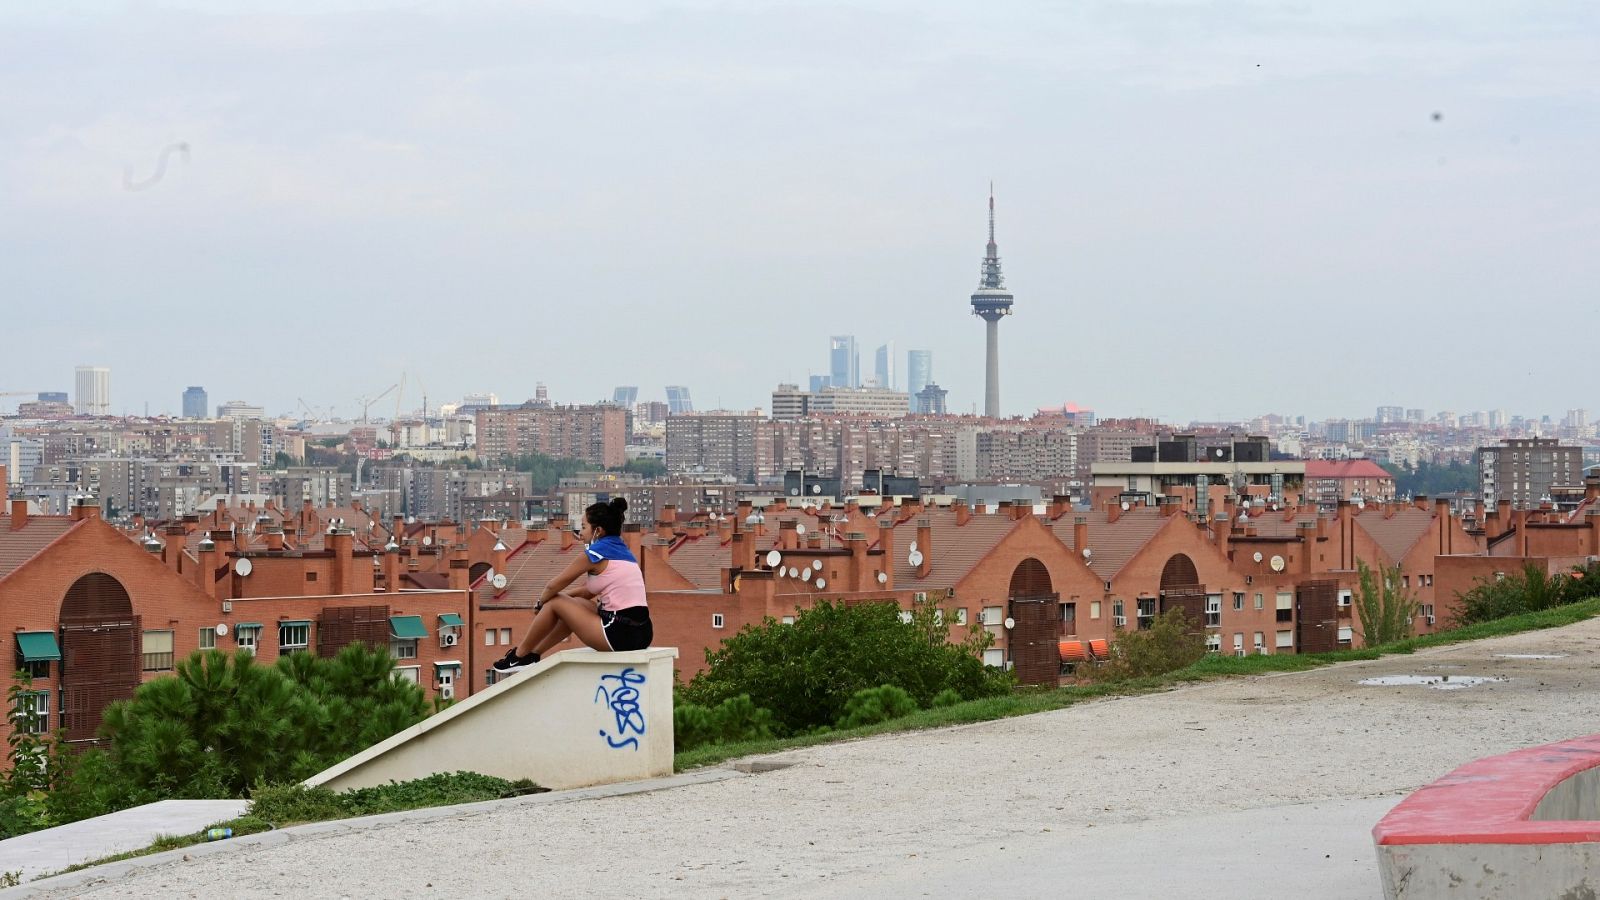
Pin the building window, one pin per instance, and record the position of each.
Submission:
(412, 674)
(1069, 617)
(488, 637)
(788, 620)
(1344, 597)
(1260, 642)
(961, 615)
(1213, 643)
(208, 639)
(993, 615)
(403, 648)
(247, 637)
(1285, 639)
(1147, 612)
(1285, 607)
(1118, 618)
(1260, 599)
(311, 576)
(1238, 643)
(1213, 610)
(505, 635)
(293, 635)
(33, 712)
(716, 620)
(994, 658)
(157, 651)
(1094, 610)
(1427, 613)
(1238, 600)
(37, 669)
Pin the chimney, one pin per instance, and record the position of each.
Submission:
(272, 503)
(4, 484)
(788, 535)
(886, 544)
(1113, 512)
(291, 533)
(397, 528)
(342, 543)
(1420, 501)
(664, 528)
(925, 545)
(743, 550)
(856, 542)
(85, 508)
(963, 512)
(1591, 486)
(391, 566)
(460, 572)
(274, 539)
(1021, 509)
(813, 540)
(1519, 521)
(1060, 505)
(19, 514)
(1080, 535)
(981, 509)
(1169, 505)
(568, 538)
(172, 549)
(1222, 527)
(632, 537)
(1477, 512)
(499, 555)
(1322, 527)
(1308, 545)
(1594, 531)
(1441, 515)
(206, 572)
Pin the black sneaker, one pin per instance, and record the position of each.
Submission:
(511, 662)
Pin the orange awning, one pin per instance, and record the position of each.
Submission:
(1100, 649)
(1073, 651)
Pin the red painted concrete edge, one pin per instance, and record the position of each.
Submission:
(1489, 800)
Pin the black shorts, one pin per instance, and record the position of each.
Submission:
(627, 629)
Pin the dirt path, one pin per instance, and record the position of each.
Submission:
(845, 817)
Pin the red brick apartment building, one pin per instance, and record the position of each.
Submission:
(594, 434)
(94, 611)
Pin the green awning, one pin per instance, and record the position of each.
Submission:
(448, 664)
(244, 625)
(294, 622)
(451, 619)
(38, 646)
(407, 627)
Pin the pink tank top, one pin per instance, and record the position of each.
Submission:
(620, 586)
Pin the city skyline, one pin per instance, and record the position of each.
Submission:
(1364, 201)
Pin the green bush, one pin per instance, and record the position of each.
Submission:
(1166, 646)
(1530, 590)
(880, 704)
(286, 804)
(806, 672)
(734, 719)
(946, 697)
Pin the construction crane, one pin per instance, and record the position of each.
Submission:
(366, 402)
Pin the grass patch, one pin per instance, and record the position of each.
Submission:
(278, 806)
(1027, 701)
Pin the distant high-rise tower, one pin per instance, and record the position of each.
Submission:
(818, 382)
(883, 366)
(991, 302)
(919, 373)
(625, 396)
(678, 402)
(194, 403)
(94, 391)
(844, 362)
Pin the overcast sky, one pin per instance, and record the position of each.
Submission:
(1206, 209)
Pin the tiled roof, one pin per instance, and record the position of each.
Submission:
(1344, 468)
(701, 559)
(1273, 525)
(1395, 535)
(528, 569)
(1112, 543)
(17, 547)
(956, 548)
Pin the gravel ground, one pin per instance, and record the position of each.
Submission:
(844, 817)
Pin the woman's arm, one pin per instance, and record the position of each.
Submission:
(578, 566)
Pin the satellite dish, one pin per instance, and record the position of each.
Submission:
(883, 577)
(816, 564)
(1126, 506)
(915, 558)
(243, 567)
(1276, 563)
(1257, 557)
(1087, 553)
(779, 572)
(490, 574)
(794, 492)
(821, 583)
(799, 528)
(1218, 451)
(773, 558)
(816, 489)
(793, 572)
(411, 520)
(221, 629)
(805, 574)
(1010, 623)
(427, 540)
(499, 581)
(913, 547)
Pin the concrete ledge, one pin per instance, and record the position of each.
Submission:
(578, 718)
(1521, 824)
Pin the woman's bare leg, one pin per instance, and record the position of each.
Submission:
(575, 617)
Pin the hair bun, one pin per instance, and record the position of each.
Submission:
(620, 504)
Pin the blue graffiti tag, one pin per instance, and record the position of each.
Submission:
(623, 698)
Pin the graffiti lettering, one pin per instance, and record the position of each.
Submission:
(620, 692)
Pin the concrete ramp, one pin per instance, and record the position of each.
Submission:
(578, 718)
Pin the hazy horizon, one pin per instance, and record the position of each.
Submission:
(1205, 210)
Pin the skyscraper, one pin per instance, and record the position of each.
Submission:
(991, 302)
(883, 366)
(919, 373)
(94, 391)
(678, 402)
(844, 361)
(194, 402)
(625, 396)
(818, 382)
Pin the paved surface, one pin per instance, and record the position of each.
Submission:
(55, 849)
(1258, 787)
